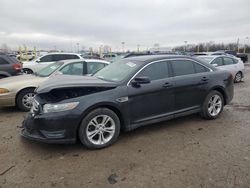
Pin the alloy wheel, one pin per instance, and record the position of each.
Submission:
(214, 105)
(100, 130)
(27, 100)
(238, 77)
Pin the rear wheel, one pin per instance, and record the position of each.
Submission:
(27, 71)
(24, 99)
(238, 77)
(99, 129)
(213, 105)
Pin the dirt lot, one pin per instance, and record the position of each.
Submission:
(187, 152)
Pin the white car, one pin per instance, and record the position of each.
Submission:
(45, 60)
(227, 62)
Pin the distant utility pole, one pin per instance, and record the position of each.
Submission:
(78, 47)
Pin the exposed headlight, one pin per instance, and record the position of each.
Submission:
(47, 108)
(3, 90)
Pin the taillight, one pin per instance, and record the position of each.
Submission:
(17, 66)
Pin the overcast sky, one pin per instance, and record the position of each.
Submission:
(63, 23)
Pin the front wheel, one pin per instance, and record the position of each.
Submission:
(213, 105)
(99, 129)
(24, 99)
(238, 77)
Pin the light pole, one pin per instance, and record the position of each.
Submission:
(78, 47)
(245, 45)
(138, 47)
(185, 45)
(123, 44)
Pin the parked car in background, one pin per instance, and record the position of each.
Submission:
(225, 62)
(30, 56)
(125, 95)
(19, 90)
(43, 61)
(242, 56)
(9, 66)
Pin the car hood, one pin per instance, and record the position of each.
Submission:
(68, 81)
(16, 83)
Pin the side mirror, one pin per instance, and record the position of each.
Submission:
(140, 80)
(215, 65)
(38, 60)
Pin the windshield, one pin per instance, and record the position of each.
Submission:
(206, 59)
(47, 71)
(117, 71)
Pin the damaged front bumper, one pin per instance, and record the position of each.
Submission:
(56, 128)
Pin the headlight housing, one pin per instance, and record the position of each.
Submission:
(3, 90)
(48, 108)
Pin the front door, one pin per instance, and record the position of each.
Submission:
(155, 99)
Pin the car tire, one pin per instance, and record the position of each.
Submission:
(212, 105)
(24, 99)
(2, 76)
(27, 71)
(238, 77)
(92, 132)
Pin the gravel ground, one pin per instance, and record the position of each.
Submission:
(186, 152)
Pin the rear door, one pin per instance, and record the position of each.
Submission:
(155, 99)
(191, 79)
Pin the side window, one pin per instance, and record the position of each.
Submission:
(58, 57)
(183, 67)
(3, 61)
(155, 71)
(72, 56)
(199, 68)
(218, 61)
(94, 67)
(73, 69)
(228, 61)
(47, 58)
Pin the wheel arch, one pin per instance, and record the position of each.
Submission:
(19, 91)
(222, 91)
(107, 105)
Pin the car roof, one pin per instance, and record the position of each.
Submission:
(87, 60)
(150, 58)
(68, 53)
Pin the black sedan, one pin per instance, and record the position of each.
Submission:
(123, 96)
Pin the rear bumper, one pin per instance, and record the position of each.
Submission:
(8, 99)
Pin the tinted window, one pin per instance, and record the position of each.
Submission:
(3, 61)
(47, 58)
(155, 71)
(93, 67)
(218, 61)
(58, 57)
(228, 61)
(70, 56)
(73, 69)
(183, 67)
(199, 68)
